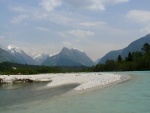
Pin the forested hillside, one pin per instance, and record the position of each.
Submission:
(135, 61)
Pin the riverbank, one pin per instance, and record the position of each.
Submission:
(86, 81)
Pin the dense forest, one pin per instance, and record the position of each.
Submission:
(136, 61)
(14, 68)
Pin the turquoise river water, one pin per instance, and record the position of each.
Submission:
(132, 96)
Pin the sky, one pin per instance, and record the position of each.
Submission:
(94, 26)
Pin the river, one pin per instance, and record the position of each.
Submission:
(132, 96)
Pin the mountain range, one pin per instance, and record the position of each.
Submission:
(6, 56)
(132, 47)
(67, 57)
(40, 58)
(20, 55)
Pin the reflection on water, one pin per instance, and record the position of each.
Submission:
(26, 92)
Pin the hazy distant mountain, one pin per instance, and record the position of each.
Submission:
(21, 56)
(111, 55)
(69, 57)
(5, 56)
(97, 61)
(134, 46)
(40, 58)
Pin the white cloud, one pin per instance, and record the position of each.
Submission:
(96, 5)
(101, 4)
(78, 33)
(145, 30)
(139, 15)
(19, 19)
(50, 5)
(81, 33)
(92, 24)
(17, 9)
(66, 43)
(92, 4)
(62, 19)
(2, 37)
(118, 1)
(7, 37)
(59, 17)
(43, 29)
(40, 16)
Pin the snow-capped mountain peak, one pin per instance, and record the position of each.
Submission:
(65, 49)
(50, 55)
(21, 56)
(69, 57)
(36, 56)
(14, 49)
(77, 50)
(39, 58)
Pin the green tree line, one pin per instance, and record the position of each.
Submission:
(14, 68)
(135, 61)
